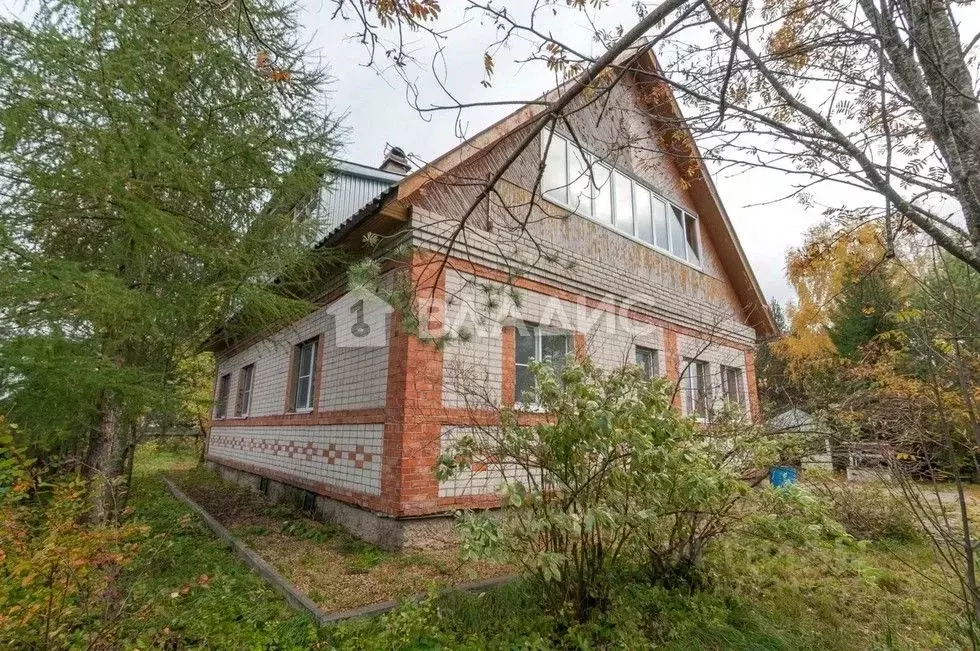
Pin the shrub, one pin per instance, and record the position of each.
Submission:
(868, 511)
(613, 480)
(571, 515)
(58, 575)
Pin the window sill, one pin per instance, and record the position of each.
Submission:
(528, 408)
(632, 238)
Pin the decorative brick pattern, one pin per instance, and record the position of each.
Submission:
(346, 457)
(415, 382)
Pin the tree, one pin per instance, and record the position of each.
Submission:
(918, 395)
(827, 272)
(775, 392)
(863, 310)
(877, 98)
(152, 154)
(888, 358)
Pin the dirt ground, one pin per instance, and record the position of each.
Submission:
(336, 570)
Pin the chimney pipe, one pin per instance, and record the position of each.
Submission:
(395, 161)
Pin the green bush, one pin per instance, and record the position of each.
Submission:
(59, 574)
(870, 511)
(613, 482)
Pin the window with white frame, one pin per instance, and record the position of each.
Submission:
(581, 182)
(537, 344)
(646, 359)
(732, 385)
(696, 386)
(221, 404)
(304, 375)
(244, 401)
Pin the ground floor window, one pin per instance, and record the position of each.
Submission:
(244, 401)
(696, 386)
(732, 386)
(646, 359)
(537, 344)
(304, 374)
(221, 405)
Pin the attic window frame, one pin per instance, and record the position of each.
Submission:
(591, 161)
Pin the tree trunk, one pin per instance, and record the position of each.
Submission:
(203, 431)
(129, 458)
(104, 462)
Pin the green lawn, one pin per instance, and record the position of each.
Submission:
(765, 596)
(186, 589)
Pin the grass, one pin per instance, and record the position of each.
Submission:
(338, 571)
(834, 599)
(186, 590)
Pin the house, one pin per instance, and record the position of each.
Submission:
(622, 251)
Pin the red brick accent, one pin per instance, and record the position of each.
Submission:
(672, 362)
(332, 417)
(580, 347)
(290, 392)
(467, 267)
(485, 501)
(508, 375)
(412, 434)
(318, 372)
(753, 388)
(473, 417)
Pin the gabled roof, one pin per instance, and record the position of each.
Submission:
(668, 115)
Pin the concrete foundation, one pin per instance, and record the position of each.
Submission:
(387, 532)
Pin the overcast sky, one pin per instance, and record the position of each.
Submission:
(378, 114)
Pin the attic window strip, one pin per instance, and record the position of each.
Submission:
(589, 187)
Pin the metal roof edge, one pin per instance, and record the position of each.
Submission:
(357, 169)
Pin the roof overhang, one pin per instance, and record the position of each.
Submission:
(381, 215)
(723, 235)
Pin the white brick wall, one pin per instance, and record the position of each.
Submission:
(473, 367)
(347, 457)
(353, 377)
(610, 341)
(468, 483)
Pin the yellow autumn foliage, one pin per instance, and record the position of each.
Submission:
(829, 258)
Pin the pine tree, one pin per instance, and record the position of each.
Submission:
(150, 158)
(864, 309)
(775, 388)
